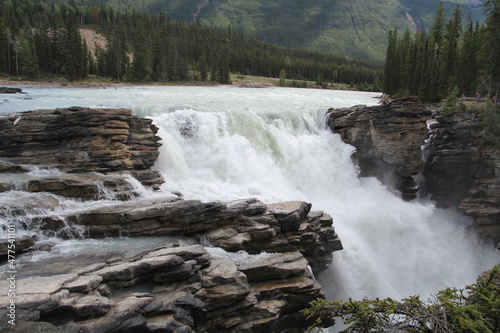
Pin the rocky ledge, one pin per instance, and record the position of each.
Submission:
(458, 172)
(388, 140)
(170, 289)
(80, 139)
(248, 225)
(177, 289)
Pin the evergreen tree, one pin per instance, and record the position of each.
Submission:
(29, 60)
(492, 8)
(437, 30)
(141, 65)
(203, 66)
(75, 52)
(172, 58)
(282, 78)
(4, 47)
(391, 66)
(159, 63)
(224, 65)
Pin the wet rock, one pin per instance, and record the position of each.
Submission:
(16, 245)
(126, 315)
(9, 90)
(84, 284)
(279, 266)
(221, 295)
(460, 173)
(388, 140)
(290, 214)
(80, 139)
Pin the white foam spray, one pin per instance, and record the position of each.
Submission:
(225, 143)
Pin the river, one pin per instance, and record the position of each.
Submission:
(225, 143)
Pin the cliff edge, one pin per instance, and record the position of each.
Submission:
(458, 171)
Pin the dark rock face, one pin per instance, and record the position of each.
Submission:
(388, 140)
(9, 90)
(459, 173)
(81, 140)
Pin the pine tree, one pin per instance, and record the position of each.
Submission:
(437, 30)
(28, 59)
(141, 65)
(4, 47)
(492, 8)
(75, 53)
(390, 66)
(203, 66)
(224, 65)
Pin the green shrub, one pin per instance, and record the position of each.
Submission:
(475, 309)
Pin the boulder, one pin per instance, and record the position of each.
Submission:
(280, 266)
(10, 90)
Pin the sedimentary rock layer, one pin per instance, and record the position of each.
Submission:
(388, 140)
(184, 289)
(460, 173)
(80, 139)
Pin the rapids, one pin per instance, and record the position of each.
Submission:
(225, 143)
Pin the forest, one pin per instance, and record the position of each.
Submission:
(455, 58)
(41, 39)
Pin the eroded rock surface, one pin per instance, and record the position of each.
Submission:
(78, 139)
(184, 289)
(388, 140)
(460, 173)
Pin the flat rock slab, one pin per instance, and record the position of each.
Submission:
(278, 266)
(38, 284)
(290, 214)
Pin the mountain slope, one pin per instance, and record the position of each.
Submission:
(355, 28)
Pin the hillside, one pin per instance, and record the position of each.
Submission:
(354, 28)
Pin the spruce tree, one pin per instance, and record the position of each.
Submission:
(4, 47)
(492, 8)
(390, 66)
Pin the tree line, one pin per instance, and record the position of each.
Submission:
(451, 59)
(42, 38)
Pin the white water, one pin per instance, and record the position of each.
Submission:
(224, 143)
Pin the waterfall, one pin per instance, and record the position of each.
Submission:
(225, 143)
(391, 247)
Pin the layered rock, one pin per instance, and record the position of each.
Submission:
(170, 289)
(460, 173)
(388, 140)
(184, 289)
(82, 140)
(81, 186)
(247, 225)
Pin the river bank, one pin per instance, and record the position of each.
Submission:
(95, 82)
